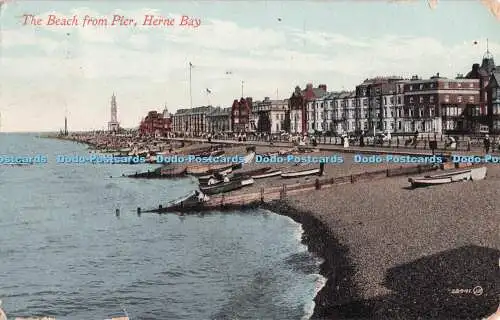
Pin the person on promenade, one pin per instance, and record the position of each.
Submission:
(362, 139)
(487, 143)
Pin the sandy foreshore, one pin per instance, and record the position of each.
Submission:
(394, 253)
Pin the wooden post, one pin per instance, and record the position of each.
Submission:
(388, 173)
(318, 185)
(262, 195)
(352, 178)
(222, 201)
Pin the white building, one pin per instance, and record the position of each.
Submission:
(270, 115)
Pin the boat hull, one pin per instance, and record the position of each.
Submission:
(222, 187)
(473, 174)
(252, 172)
(160, 174)
(298, 174)
(268, 174)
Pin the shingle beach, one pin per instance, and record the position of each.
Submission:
(395, 253)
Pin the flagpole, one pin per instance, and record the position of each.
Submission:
(242, 82)
(190, 87)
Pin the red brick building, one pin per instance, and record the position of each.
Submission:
(296, 116)
(156, 123)
(454, 102)
(240, 115)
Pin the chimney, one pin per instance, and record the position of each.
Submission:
(322, 87)
(475, 66)
(437, 74)
(309, 86)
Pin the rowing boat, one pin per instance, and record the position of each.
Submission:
(472, 174)
(161, 173)
(302, 173)
(252, 172)
(268, 174)
(226, 186)
(207, 169)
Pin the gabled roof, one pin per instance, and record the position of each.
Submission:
(495, 79)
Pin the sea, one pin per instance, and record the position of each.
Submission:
(64, 251)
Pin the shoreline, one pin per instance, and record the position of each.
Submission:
(337, 270)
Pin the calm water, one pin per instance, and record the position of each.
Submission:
(63, 252)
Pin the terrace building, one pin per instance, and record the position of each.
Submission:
(219, 120)
(440, 104)
(241, 115)
(192, 121)
(493, 95)
(299, 114)
(270, 115)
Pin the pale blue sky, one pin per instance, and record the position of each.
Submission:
(47, 73)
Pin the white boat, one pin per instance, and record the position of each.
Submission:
(268, 174)
(302, 173)
(472, 174)
(247, 182)
(455, 176)
(249, 157)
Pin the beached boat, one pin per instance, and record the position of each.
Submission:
(252, 172)
(473, 174)
(200, 170)
(302, 173)
(226, 186)
(247, 159)
(218, 175)
(161, 173)
(191, 201)
(218, 179)
(268, 174)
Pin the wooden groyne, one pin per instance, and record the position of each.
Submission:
(239, 201)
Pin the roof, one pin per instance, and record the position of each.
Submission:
(495, 79)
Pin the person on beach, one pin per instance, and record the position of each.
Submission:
(487, 143)
(362, 139)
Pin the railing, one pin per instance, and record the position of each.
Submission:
(400, 141)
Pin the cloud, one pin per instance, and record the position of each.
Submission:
(147, 66)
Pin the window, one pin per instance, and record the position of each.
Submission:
(459, 85)
(421, 113)
(421, 86)
(446, 98)
(411, 88)
(431, 112)
(471, 85)
(411, 99)
(399, 100)
(431, 99)
(446, 85)
(471, 98)
(385, 101)
(421, 99)
(432, 85)
(459, 99)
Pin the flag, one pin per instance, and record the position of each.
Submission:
(209, 91)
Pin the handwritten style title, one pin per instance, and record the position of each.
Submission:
(115, 20)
